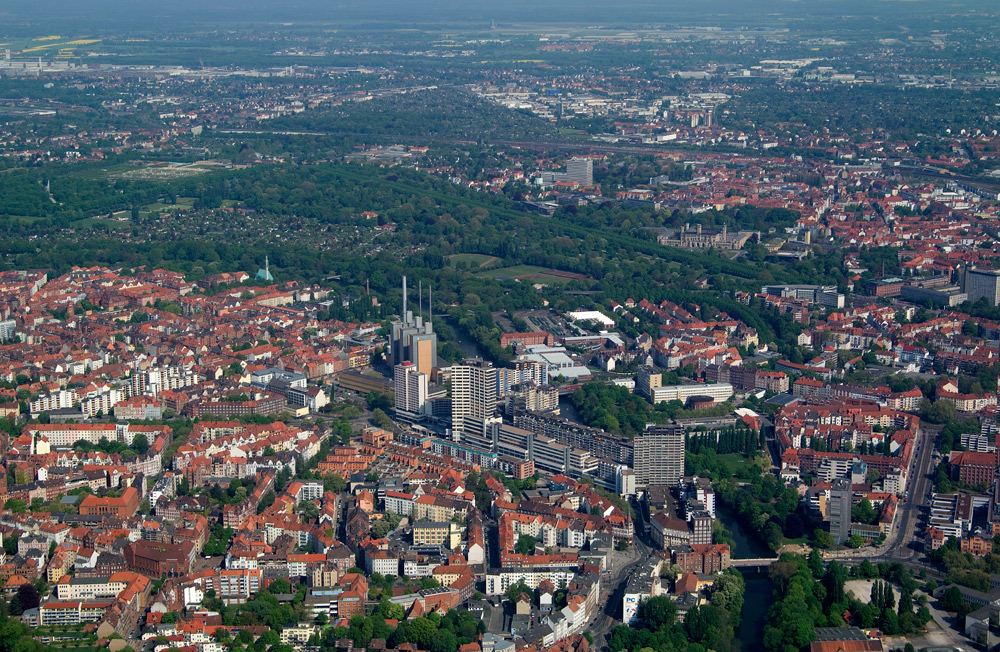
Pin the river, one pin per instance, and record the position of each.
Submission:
(462, 339)
(756, 602)
(748, 545)
(757, 593)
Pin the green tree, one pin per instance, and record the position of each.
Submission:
(952, 600)
(308, 511)
(727, 593)
(824, 539)
(863, 512)
(16, 506)
(140, 444)
(657, 612)
(525, 545)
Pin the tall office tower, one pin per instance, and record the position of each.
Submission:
(659, 455)
(413, 340)
(473, 395)
(580, 170)
(410, 386)
(983, 284)
(840, 510)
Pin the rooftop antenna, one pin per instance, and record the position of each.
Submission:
(420, 296)
(430, 310)
(404, 297)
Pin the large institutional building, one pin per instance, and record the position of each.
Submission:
(983, 284)
(702, 238)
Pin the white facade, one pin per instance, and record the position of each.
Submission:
(473, 395)
(499, 583)
(719, 392)
(410, 388)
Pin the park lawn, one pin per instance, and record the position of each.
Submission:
(474, 260)
(733, 461)
(24, 219)
(799, 541)
(528, 273)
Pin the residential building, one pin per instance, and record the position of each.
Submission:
(839, 509)
(659, 455)
(473, 395)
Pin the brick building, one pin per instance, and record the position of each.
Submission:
(974, 468)
(157, 559)
(122, 506)
(703, 559)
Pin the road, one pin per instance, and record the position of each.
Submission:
(612, 588)
(901, 544)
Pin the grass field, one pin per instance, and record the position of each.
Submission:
(474, 260)
(733, 461)
(534, 274)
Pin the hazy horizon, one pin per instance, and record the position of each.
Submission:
(106, 14)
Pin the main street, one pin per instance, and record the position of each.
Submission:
(900, 544)
(612, 588)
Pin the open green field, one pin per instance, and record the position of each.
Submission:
(533, 274)
(51, 45)
(733, 461)
(474, 260)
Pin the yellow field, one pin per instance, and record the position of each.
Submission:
(66, 45)
(47, 38)
(38, 48)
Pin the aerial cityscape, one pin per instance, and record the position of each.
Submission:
(500, 327)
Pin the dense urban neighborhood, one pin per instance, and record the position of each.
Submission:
(456, 329)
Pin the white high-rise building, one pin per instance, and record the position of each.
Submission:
(580, 170)
(983, 284)
(411, 391)
(473, 395)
